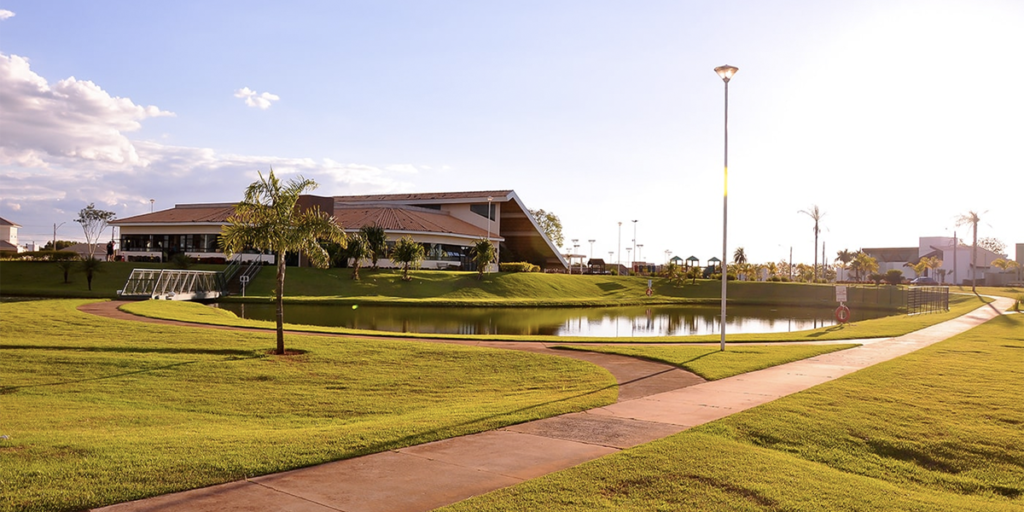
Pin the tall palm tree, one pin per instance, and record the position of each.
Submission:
(972, 218)
(739, 256)
(815, 213)
(267, 219)
(844, 257)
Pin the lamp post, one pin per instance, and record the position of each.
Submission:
(591, 248)
(634, 241)
(618, 260)
(628, 250)
(575, 247)
(151, 202)
(55, 226)
(639, 252)
(725, 72)
(489, 199)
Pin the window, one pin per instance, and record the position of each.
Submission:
(481, 210)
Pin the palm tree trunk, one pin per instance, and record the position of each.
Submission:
(280, 303)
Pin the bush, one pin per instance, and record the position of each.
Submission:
(43, 256)
(893, 276)
(518, 266)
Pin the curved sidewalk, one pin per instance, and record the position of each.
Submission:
(428, 476)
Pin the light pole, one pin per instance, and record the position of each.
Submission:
(591, 248)
(55, 226)
(151, 202)
(489, 199)
(639, 252)
(618, 261)
(634, 241)
(628, 250)
(667, 254)
(725, 72)
(575, 247)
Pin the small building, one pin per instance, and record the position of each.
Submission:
(9, 236)
(956, 259)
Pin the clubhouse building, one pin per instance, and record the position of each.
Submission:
(446, 224)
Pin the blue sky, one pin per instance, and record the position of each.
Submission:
(893, 117)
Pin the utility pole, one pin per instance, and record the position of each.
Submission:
(55, 226)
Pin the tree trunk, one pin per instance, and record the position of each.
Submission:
(280, 303)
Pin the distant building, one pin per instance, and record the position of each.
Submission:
(446, 224)
(9, 236)
(956, 259)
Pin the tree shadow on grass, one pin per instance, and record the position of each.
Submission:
(140, 350)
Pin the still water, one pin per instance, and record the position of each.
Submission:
(629, 321)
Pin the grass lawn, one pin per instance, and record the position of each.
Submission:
(713, 364)
(101, 411)
(876, 328)
(939, 429)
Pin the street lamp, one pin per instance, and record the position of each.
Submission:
(618, 261)
(628, 249)
(591, 248)
(725, 72)
(575, 247)
(151, 202)
(489, 199)
(639, 252)
(634, 237)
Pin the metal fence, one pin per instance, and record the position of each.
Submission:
(927, 299)
(174, 284)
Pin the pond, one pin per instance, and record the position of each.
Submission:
(612, 322)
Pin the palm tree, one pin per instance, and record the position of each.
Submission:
(90, 266)
(408, 252)
(358, 250)
(972, 218)
(267, 219)
(844, 257)
(739, 256)
(376, 242)
(863, 264)
(815, 213)
(483, 255)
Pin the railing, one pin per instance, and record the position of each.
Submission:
(927, 299)
(174, 284)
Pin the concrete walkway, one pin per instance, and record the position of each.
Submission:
(428, 476)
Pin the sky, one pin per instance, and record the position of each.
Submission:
(893, 117)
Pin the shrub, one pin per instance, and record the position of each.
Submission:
(182, 261)
(894, 276)
(519, 266)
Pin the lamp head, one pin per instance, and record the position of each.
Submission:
(726, 72)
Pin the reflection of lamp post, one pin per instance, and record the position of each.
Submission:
(725, 72)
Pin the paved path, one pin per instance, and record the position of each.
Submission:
(428, 476)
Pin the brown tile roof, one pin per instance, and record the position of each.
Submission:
(405, 219)
(183, 214)
(432, 197)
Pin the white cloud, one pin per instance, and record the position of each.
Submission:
(253, 99)
(403, 168)
(71, 120)
(4, 14)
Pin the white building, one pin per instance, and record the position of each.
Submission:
(956, 259)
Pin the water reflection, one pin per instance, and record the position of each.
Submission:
(605, 322)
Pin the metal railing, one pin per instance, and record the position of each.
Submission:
(174, 284)
(927, 299)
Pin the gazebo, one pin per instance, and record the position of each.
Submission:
(715, 261)
(692, 261)
(677, 260)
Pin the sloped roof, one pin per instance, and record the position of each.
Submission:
(183, 213)
(436, 197)
(409, 219)
(5, 222)
(6, 246)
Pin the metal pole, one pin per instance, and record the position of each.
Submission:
(618, 250)
(725, 213)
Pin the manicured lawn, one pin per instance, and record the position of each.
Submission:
(713, 364)
(939, 429)
(877, 328)
(101, 411)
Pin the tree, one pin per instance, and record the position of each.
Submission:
(972, 218)
(65, 262)
(863, 264)
(483, 255)
(550, 224)
(90, 266)
(739, 256)
(376, 242)
(61, 244)
(268, 219)
(816, 214)
(992, 244)
(93, 222)
(893, 276)
(844, 257)
(408, 252)
(358, 250)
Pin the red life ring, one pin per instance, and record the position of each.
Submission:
(650, 292)
(842, 314)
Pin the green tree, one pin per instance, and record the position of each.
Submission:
(268, 219)
(358, 250)
(739, 256)
(61, 244)
(816, 214)
(972, 218)
(93, 221)
(863, 264)
(844, 257)
(90, 266)
(408, 252)
(376, 242)
(893, 276)
(483, 255)
(550, 224)
(65, 262)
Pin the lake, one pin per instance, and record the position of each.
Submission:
(612, 322)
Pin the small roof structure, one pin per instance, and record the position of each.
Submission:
(676, 259)
(714, 260)
(693, 258)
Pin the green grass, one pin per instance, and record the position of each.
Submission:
(713, 364)
(101, 411)
(875, 328)
(940, 429)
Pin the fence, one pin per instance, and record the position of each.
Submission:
(927, 299)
